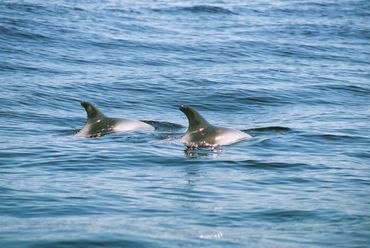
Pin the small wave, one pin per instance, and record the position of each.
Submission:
(256, 164)
(269, 129)
(354, 89)
(26, 68)
(336, 137)
(123, 11)
(262, 100)
(35, 8)
(90, 243)
(207, 9)
(24, 7)
(23, 34)
(198, 9)
(279, 215)
(268, 165)
(362, 155)
(259, 98)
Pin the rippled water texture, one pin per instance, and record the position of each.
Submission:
(293, 74)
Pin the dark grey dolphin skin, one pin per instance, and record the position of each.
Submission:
(201, 133)
(98, 124)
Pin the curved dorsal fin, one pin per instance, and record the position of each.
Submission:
(196, 121)
(93, 114)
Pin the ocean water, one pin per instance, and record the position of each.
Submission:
(293, 74)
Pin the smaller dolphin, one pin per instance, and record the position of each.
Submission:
(98, 124)
(201, 133)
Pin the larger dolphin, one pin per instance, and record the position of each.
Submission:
(201, 133)
(98, 124)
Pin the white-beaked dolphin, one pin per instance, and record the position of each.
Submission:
(98, 124)
(201, 133)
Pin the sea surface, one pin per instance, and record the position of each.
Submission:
(293, 74)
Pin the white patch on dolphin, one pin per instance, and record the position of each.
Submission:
(201, 133)
(98, 124)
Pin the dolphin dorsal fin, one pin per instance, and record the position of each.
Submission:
(195, 120)
(93, 114)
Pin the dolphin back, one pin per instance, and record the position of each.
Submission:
(202, 134)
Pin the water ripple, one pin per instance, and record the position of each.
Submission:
(293, 74)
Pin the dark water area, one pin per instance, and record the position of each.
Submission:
(293, 74)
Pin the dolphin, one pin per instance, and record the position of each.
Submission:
(201, 133)
(98, 124)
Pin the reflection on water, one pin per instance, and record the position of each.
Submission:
(213, 152)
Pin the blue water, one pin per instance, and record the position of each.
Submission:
(293, 74)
